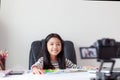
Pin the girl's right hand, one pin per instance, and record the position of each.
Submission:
(38, 71)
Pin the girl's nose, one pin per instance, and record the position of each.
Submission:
(55, 46)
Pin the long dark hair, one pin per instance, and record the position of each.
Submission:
(46, 56)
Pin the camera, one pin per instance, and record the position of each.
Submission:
(107, 48)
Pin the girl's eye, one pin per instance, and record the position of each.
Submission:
(58, 44)
(51, 44)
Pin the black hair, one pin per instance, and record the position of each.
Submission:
(46, 56)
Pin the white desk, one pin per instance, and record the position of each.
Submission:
(59, 76)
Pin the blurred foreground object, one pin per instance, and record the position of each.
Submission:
(3, 56)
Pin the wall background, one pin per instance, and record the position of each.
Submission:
(83, 22)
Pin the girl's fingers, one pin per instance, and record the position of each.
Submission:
(42, 71)
(38, 71)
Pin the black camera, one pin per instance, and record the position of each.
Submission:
(107, 49)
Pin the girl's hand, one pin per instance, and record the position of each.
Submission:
(38, 71)
(90, 67)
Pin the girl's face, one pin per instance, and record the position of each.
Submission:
(54, 46)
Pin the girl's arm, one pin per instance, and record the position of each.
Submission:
(69, 64)
(37, 68)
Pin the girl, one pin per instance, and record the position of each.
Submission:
(53, 55)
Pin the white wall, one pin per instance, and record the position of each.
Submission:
(81, 21)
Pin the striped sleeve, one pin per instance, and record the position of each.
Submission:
(39, 63)
(69, 64)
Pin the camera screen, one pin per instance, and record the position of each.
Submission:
(88, 52)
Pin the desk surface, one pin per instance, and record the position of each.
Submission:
(59, 76)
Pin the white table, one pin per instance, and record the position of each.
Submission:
(59, 76)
